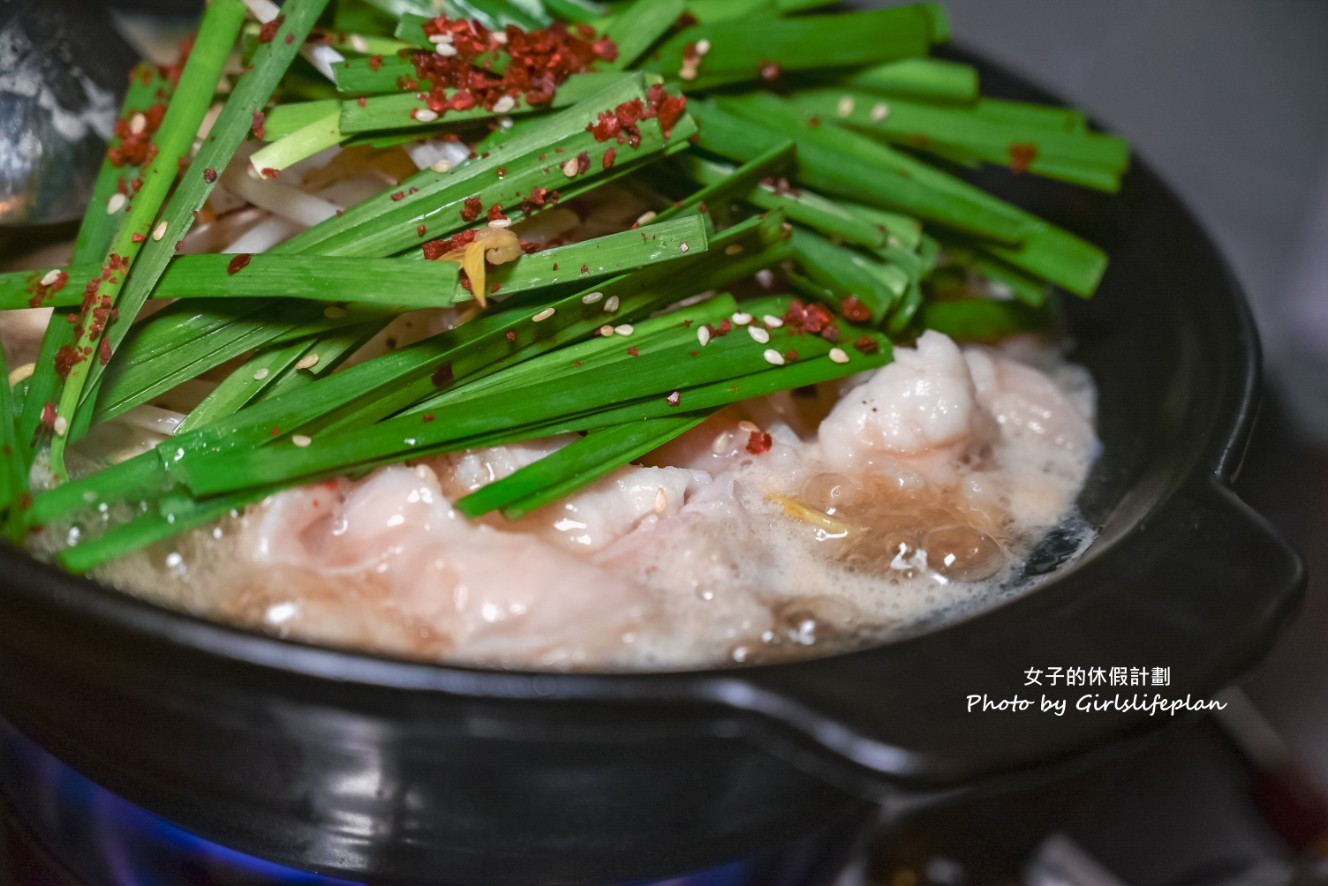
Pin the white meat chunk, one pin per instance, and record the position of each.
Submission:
(348, 559)
(922, 402)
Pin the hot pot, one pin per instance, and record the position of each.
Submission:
(396, 772)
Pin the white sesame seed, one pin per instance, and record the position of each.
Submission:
(682, 247)
(138, 124)
(301, 440)
(661, 500)
(51, 278)
(647, 217)
(606, 330)
(446, 50)
(544, 315)
(159, 231)
(506, 122)
(334, 312)
(611, 305)
(591, 298)
(674, 398)
(750, 427)
(721, 443)
(759, 334)
(424, 115)
(879, 112)
(733, 249)
(703, 335)
(358, 43)
(61, 426)
(504, 104)
(625, 329)
(443, 165)
(742, 318)
(499, 37)
(765, 277)
(702, 46)
(308, 361)
(846, 106)
(445, 37)
(838, 355)
(262, 374)
(501, 223)
(772, 321)
(773, 357)
(115, 204)
(571, 168)
(688, 70)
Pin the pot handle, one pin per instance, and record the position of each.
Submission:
(1192, 595)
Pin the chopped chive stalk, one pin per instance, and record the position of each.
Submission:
(174, 139)
(93, 241)
(409, 111)
(640, 25)
(721, 183)
(289, 118)
(1003, 141)
(13, 469)
(848, 274)
(743, 50)
(563, 472)
(301, 144)
(924, 79)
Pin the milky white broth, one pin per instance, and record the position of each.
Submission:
(914, 500)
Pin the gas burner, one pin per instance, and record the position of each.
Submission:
(58, 828)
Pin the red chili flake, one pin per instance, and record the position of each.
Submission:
(634, 352)
(759, 442)
(472, 209)
(375, 62)
(421, 231)
(770, 71)
(538, 197)
(609, 157)
(442, 376)
(290, 38)
(48, 415)
(276, 432)
(104, 351)
(855, 310)
(867, 345)
(582, 162)
(269, 30)
(436, 249)
(555, 266)
(398, 196)
(210, 175)
(668, 108)
(790, 355)
(66, 359)
(496, 212)
(510, 335)
(137, 237)
(814, 122)
(585, 269)
(269, 172)
(427, 418)
(1022, 155)
(259, 119)
(813, 318)
(239, 263)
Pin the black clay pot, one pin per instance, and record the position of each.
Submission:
(402, 773)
